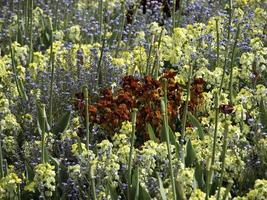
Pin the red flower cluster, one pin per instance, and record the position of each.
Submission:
(145, 94)
(196, 94)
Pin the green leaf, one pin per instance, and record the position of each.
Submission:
(63, 123)
(190, 156)
(199, 176)
(172, 135)
(39, 120)
(151, 133)
(55, 161)
(46, 32)
(112, 192)
(180, 190)
(135, 184)
(29, 172)
(161, 189)
(263, 114)
(22, 90)
(197, 124)
(144, 195)
(173, 141)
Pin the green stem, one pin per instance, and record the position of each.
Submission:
(228, 188)
(218, 42)
(166, 130)
(185, 110)
(156, 65)
(148, 71)
(227, 46)
(122, 23)
(209, 178)
(85, 93)
(52, 58)
(165, 90)
(100, 18)
(216, 128)
(56, 15)
(1, 157)
(30, 31)
(173, 15)
(99, 67)
(180, 11)
(232, 64)
(92, 184)
(43, 132)
(225, 135)
(211, 162)
(134, 113)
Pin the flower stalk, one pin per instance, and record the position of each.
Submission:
(166, 130)
(122, 24)
(52, 59)
(225, 135)
(212, 160)
(30, 31)
(226, 54)
(217, 43)
(148, 71)
(86, 99)
(134, 114)
(1, 157)
(232, 64)
(42, 124)
(185, 111)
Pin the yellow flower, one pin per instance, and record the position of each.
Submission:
(79, 150)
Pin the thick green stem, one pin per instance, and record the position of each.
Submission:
(30, 31)
(232, 64)
(174, 14)
(226, 54)
(228, 188)
(185, 110)
(225, 135)
(52, 58)
(56, 15)
(166, 130)
(209, 178)
(218, 43)
(122, 23)
(134, 113)
(43, 132)
(180, 12)
(148, 71)
(156, 65)
(85, 93)
(1, 157)
(215, 128)
(211, 162)
(100, 18)
(99, 67)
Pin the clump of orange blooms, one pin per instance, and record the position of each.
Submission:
(111, 109)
